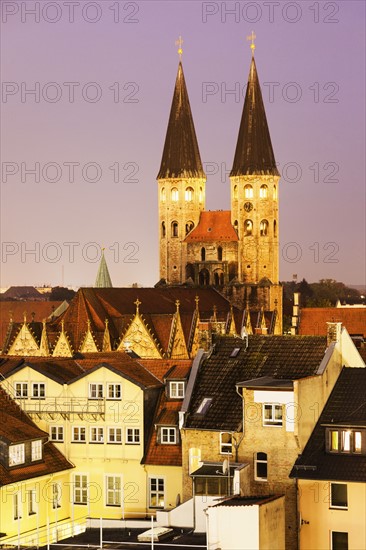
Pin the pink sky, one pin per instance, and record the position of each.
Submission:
(310, 58)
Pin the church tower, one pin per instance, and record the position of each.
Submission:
(254, 198)
(181, 183)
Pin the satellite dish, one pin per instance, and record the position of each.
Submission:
(225, 465)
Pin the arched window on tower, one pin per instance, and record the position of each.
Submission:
(189, 194)
(248, 192)
(174, 229)
(263, 228)
(275, 228)
(236, 226)
(235, 192)
(175, 194)
(203, 254)
(275, 192)
(263, 192)
(248, 227)
(163, 231)
(189, 227)
(162, 194)
(219, 253)
(200, 195)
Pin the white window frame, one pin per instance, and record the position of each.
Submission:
(273, 421)
(21, 390)
(263, 191)
(177, 389)
(156, 492)
(40, 388)
(32, 502)
(16, 454)
(59, 433)
(80, 492)
(76, 434)
(17, 506)
(228, 445)
(174, 194)
(36, 450)
(96, 388)
(337, 506)
(248, 191)
(168, 435)
(116, 438)
(96, 434)
(114, 386)
(56, 495)
(189, 194)
(260, 461)
(115, 492)
(133, 438)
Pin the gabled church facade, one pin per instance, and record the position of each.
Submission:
(236, 251)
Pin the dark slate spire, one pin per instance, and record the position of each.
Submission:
(181, 156)
(254, 154)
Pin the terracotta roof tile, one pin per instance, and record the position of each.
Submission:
(314, 320)
(213, 226)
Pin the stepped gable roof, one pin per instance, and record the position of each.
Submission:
(14, 421)
(314, 320)
(213, 226)
(181, 157)
(346, 406)
(282, 357)
(254, 154)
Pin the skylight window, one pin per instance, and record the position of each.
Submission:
(235, 352)
(205, 403)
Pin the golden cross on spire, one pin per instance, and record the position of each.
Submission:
(197, 300)
(137, 304)
(177, 304)
(179, 43)
(252, 37)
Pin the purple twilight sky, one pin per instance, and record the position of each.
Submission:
(93, 130)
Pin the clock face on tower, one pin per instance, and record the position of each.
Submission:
(248, 206)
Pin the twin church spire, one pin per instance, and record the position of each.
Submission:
(254, 153)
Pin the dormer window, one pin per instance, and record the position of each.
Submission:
(177, 389)
(341, 440)
(16, 454)
(168, 436)
(36, 450)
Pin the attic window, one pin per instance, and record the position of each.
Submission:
(16, 454)
(345, 441)
(176, 389)
(36, 450)
(205, 403)
(235, 352)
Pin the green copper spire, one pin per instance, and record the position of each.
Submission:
(103, 279)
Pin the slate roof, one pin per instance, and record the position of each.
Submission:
(15, 424)
(314, 320)
(346, 405)
(22, 293)
(280, 357)
(181, 156)
(254, 153)
(213, 226)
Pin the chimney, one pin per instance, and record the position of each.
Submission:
(333, 332)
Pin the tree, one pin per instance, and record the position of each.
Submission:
(60, 293)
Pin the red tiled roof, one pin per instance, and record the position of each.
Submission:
(213, 226)
(162, 454)
(313, 321)
(13, 420)
(41, 310)
(160, 367)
